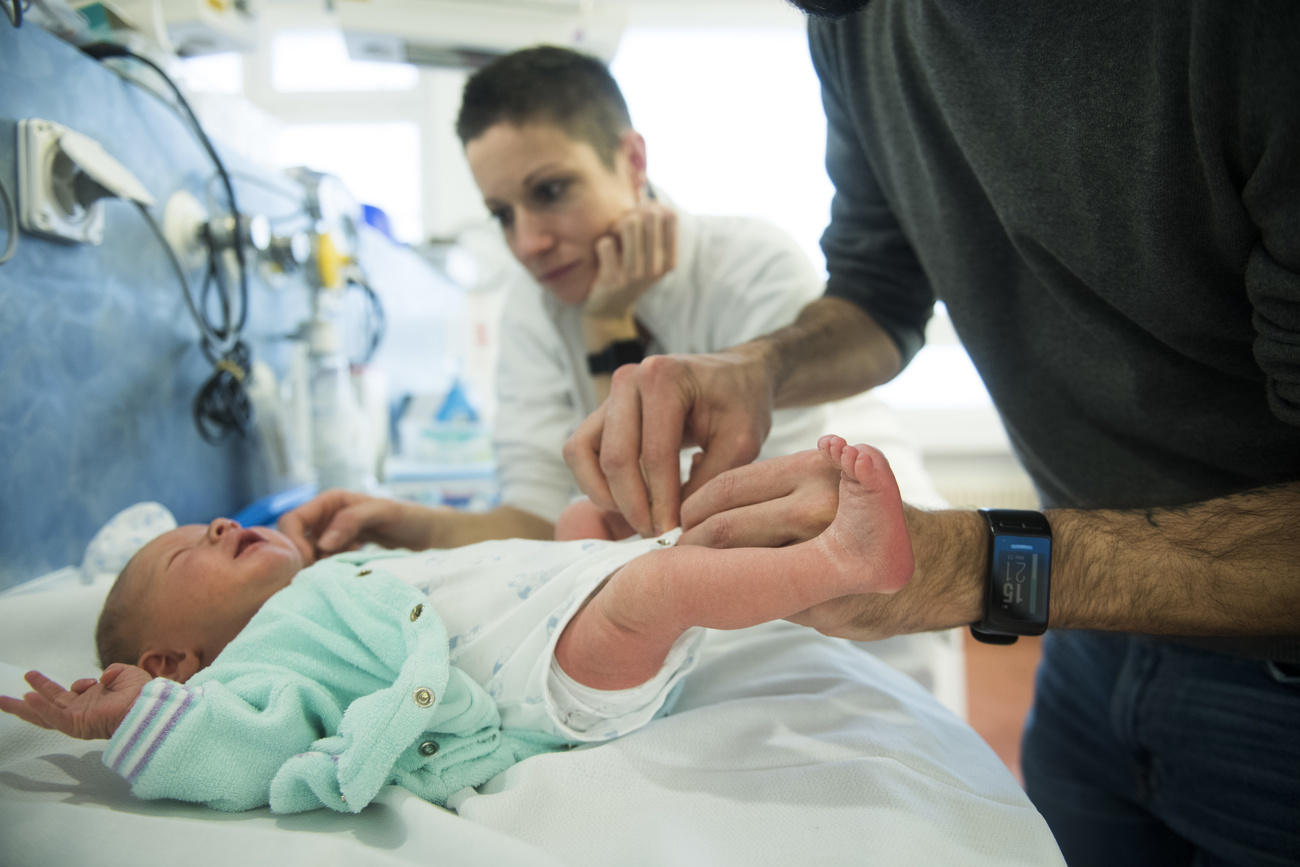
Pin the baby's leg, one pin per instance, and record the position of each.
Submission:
(582, 519)
(866, 549)
(626, 629)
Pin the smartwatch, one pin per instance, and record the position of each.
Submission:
(1019, 576)
(614, 356)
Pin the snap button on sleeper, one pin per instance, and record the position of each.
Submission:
(664, 542)
(428, 748)
(416, 612)
(424, 697)
(363, 573)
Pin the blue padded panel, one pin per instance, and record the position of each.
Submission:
(98, 356)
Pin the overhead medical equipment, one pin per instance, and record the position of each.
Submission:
(464, 34)
(184, 27)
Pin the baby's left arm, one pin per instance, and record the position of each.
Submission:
(90, 709)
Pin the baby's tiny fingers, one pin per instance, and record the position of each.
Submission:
(45, 687)
(33, 709)
(19, 708)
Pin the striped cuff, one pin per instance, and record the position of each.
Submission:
(155, 714)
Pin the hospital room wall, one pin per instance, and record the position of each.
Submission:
(99, 360)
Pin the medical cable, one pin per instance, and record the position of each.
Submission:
(14, 10)
(11, 220)
(103, 50)
(376, 322)
(222, 403)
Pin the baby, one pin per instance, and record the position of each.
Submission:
(236, 678)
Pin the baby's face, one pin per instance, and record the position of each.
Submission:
(206, 582)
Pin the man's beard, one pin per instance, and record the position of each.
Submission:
(829, 8)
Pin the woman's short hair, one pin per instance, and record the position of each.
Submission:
(547, 84)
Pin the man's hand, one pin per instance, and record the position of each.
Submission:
(90, 709)
(625, 456)
(774, 502)
(339, 520)
(640, 248)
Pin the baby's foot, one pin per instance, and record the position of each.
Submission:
(867, 542)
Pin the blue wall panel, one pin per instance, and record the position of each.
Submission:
(99, 361)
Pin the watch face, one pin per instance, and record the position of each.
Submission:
(1018, 583)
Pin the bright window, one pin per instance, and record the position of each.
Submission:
(214, 73)
(733, 123)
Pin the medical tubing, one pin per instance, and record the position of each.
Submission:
(103, 50)
(11, 220)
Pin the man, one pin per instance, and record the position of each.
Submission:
(1107, 199)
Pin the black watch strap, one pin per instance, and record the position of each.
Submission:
(614, 356)
(1018, 577)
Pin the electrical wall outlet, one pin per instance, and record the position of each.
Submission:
(63, 176)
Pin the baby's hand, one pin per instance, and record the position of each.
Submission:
(90, 709)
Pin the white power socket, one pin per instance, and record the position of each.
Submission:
(63, 176)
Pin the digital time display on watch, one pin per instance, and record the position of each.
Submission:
(1017, 584)
(1019, 576)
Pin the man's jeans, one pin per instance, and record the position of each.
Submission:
(1140, 751)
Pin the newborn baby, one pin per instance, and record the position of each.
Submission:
(236, 678)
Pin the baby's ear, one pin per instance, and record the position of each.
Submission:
(177, 665)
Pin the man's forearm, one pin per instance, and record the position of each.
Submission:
(832, 350)
(1228, 566)
(1224, 567)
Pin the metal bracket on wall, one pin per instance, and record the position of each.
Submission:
(62, 176)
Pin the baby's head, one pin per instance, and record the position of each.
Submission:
(188, 592)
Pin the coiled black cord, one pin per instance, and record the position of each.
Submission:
(222, 405)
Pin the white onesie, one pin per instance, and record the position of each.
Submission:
(504, 604)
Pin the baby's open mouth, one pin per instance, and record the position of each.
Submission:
(247, 539)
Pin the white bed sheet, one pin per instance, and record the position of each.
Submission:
(785, 747)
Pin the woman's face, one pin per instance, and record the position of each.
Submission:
(553, 198)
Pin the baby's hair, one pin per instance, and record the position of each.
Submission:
(547, 84)
(119, 633)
